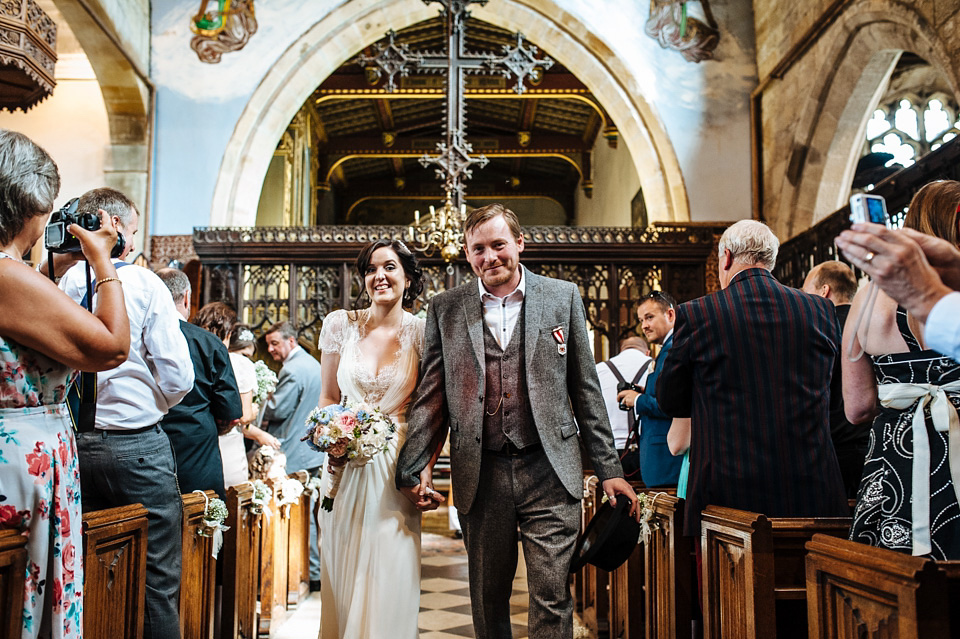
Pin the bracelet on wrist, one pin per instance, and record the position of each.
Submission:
(104, 281)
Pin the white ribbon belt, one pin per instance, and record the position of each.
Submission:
(901, 397)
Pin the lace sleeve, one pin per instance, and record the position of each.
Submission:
(333, 332)
(418, 326)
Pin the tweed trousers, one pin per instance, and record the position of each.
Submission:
(522, 492)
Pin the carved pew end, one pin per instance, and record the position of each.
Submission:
(855, 590)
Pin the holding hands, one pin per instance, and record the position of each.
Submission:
(423, 495)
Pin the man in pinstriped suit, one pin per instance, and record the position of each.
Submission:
(751, 364)
(507, 367)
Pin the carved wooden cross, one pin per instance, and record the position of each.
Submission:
(455, 162)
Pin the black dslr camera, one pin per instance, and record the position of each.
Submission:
(622, 386)
(58, 239)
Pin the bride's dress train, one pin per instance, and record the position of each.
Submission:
(370, 542)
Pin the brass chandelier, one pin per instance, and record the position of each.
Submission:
(440, 229)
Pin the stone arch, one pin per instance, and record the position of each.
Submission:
(862, 50)
(127, 96)
(354, 25)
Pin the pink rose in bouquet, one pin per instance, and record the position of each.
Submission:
(347, 433)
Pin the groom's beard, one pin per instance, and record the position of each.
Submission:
(497, 276)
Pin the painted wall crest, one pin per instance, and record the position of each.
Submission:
(221, 26)
(670, 26)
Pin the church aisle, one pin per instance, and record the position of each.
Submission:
(445, 592)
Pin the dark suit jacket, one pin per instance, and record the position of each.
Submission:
(751, 365)
(563, 388)
(657, 466)
(191, 425)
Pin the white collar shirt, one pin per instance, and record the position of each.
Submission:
(500, 314)
(158, 371)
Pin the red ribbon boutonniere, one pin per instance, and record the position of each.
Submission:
(557, 332)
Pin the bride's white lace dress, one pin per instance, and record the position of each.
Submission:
(370, 542)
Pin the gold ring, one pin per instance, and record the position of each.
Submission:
(869, 257)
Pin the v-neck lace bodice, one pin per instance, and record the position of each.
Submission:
(390, 387)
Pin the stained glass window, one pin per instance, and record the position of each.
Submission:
(911, 126)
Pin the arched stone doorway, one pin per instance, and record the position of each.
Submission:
(127, 96)
(350, 27)
(863, 49)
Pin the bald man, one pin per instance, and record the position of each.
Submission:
(632, 364)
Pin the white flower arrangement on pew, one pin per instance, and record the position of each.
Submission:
(289, 493)
(214, 514)
(260, 503)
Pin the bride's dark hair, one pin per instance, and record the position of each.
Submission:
(411, 267)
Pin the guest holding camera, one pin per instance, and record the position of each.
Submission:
(44, 337)
(920, 271)
(907, 499)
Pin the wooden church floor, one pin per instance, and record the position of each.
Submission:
(444, 592)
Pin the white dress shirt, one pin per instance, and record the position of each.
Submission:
(500, 314)
(942, 330)
(628, 362)
(158, 371)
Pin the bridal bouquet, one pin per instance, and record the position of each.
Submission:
(266, 382)
(347, 432)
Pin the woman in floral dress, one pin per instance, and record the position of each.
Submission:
(44, 337)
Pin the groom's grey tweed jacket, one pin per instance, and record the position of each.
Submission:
(563, 388)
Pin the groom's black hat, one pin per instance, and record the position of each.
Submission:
(609, 539)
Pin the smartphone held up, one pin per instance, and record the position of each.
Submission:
(869, 208)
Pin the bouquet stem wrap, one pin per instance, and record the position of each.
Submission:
(335, 472)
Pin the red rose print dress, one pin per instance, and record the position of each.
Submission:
(40, 488)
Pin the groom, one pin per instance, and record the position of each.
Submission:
(507, 368)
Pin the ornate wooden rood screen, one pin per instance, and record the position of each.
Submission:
(301, 274)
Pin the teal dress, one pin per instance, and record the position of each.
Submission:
(684, 473)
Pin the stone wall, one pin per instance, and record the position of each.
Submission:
(813, 116)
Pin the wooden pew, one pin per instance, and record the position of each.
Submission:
(197, 573)
(241, 564)
(272, 593)
(115, 572)
(669, 577)
(579, 587)
(626, 592)
(593, 593)
(754, 584)
(13, 570)
(856, 591)
(298, 546)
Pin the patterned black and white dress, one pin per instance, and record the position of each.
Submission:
(907, 500)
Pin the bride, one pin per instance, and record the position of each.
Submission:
(370, 542)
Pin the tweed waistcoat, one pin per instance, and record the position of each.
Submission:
(506, 394)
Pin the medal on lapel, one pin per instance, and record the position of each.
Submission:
(557, 332)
